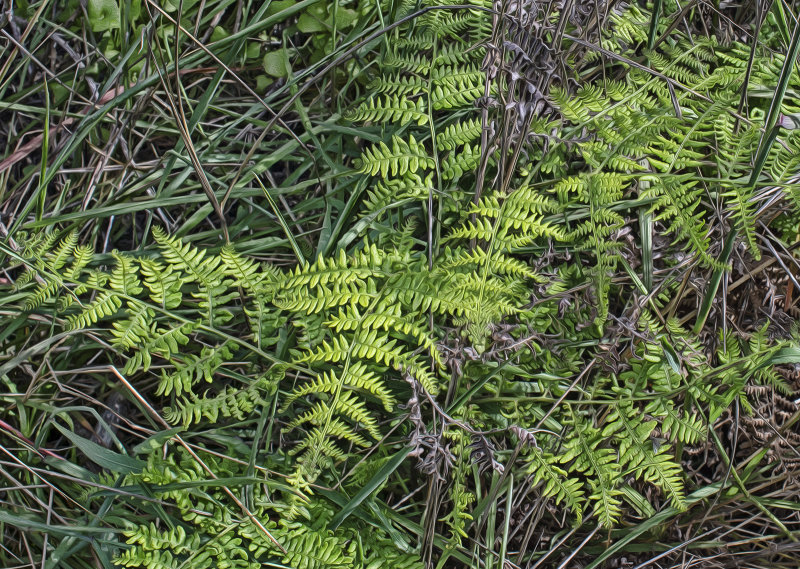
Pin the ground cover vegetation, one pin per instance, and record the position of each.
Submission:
(399, 283)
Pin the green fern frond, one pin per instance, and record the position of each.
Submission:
(556, 484)
(356, 377)
(391, 108)
(632, 433)
(339, 269)
(420, 291)
(459, 134)
(135, 329)
(203, 270)
(255, 278)
(585, 451)
(395, 192)
(192, 369)
(398, 85)
(163, 283)
(150, 537)
(316, 550)
(323, 298)
(184, 257)
(456, 55)
(82, 256)
(456, 94)
(456, 164)
(44, 292)
(59, 256)
(344, 405)
(163, 342)
(682, 427)
(372, 346)
(389, 319)
(607, 503)
(231, 402)
(402, 158)
(105, 305)
(124, 278)
(150, 559)
(500, 264)
(416, 63)
(660, 470)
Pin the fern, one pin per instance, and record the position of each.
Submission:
(403, 157)
(199, 269)
(458, 134)
(393, 193)
(397, 109)
(494, 299)
(555, 482)
(231, 402)
(194, 369)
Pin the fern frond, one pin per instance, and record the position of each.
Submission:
(343, 405)
(194, 368)
(44, 292)
(58, 257)
(683, 427)
(662, 472)
(82, 256)
(389, 319)
(378, 348)
(456, 164)
(163, 283)
(607, 503)
(402, 158)
(255, 278)
(105, 305)
(398, 84)
(457, 55)
(356, 377)
(124, 278)
(555, 482)
(339, 269)
(135, 329)
(150, 537)
(231, 402)
(459, 134)
(159, 341)
(150, 559)
(201, 269)
(417, 63)
(455, 94)
(391, 108)
(323, 298)
(500, 264)
(186, 258)
(395, 192)
(632, 433)
(316, 550)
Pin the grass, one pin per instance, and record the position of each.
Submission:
(222, 123)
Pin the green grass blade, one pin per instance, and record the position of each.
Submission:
(375, 482)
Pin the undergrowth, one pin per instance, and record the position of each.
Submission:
(472, 280)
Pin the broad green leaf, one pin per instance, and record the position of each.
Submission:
(103, 15)
(311, 20)
(276, 63)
